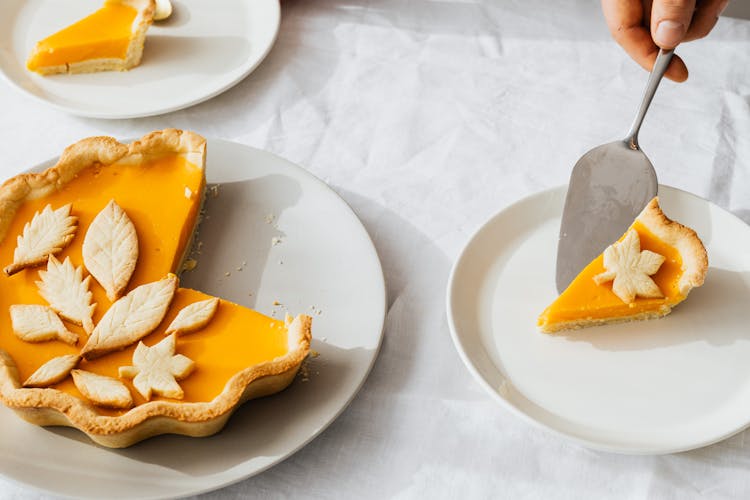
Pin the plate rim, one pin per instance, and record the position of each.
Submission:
(468, 363)
(330, 419)
(75, 111)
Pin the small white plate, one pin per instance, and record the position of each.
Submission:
(657, 386)
(203, 49)
(324, 261)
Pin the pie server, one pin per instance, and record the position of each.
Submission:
(608, 188)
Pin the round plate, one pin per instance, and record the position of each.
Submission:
(298, 244)
(656, 386)
(203, 49)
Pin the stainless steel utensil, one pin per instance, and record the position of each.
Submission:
(608, 188)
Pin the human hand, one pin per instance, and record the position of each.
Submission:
(641, 27)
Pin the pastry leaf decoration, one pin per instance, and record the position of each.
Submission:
(38, 323)
(630, 269)
(156, 369)
(66, 290)
(101, 390)
(48, 232)
(131, 318)
(53, 371)
(110, 249)
(193, 317)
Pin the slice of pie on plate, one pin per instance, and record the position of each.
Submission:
(644, 275)
(111, 38)
(97, 332)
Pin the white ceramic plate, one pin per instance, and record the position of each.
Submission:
(202, 50)
(324, 257)
(657, 386)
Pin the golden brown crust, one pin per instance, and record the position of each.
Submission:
(587, 322)
(141, 23)
(54, 407)
(684, 239)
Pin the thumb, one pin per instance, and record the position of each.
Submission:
(670, 20)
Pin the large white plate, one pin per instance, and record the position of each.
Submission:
(202, 50)
(658, 386)
(325, 260)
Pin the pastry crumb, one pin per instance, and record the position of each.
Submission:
(314, 354)
(276, 240)
(214, 190)
(270, 218)
(276, 303)
(227, 273)
(189, 264)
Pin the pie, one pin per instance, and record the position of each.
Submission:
(643, 275)
(97, 332)
(109, 39)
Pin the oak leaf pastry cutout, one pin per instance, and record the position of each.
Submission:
(193, 317)
(131, 318)
(110, 249)
(53, 371)
(39, 323)
(630, 269)
(157, 369)
(65, 289)
(102, 390)
(48, 233)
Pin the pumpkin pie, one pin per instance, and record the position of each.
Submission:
(651, 269)
(109, 39)
(98, 334)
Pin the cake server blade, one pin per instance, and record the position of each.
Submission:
(608, 188)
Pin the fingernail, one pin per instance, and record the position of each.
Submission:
(669, 34)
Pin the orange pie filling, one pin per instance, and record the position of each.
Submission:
(585, 299)
(235, 338)
(102, 35)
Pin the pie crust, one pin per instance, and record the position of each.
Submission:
(51, 406)
(588, 303)
(89, 63)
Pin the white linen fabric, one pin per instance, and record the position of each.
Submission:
(428, 117)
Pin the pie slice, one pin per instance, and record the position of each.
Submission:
(644, 275)
(136, 208)
(109, 39)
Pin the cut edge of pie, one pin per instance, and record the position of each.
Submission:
(50, 406)
(132, 57)
(694, 265)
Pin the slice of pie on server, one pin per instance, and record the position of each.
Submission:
(644, 275)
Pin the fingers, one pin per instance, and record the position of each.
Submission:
(625, 21)
(670, 20)
(704, 19)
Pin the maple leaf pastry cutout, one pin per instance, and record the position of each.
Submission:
(157, 369)
(630, 269)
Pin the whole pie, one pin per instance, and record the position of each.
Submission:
(97, 332)
(651, 269)
(110, 38)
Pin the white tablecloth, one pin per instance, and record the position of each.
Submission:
(428, 117)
